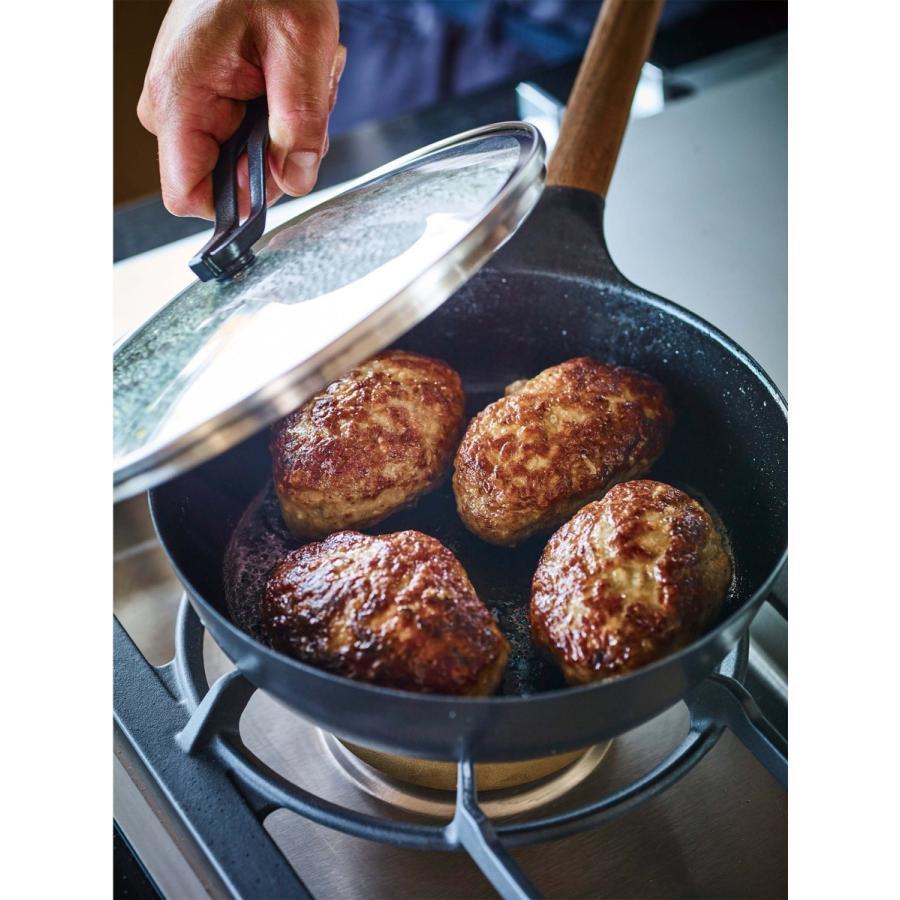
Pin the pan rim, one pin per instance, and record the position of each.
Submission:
(483, 703)
(621, 282)
(757, 598)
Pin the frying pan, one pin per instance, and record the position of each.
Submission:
(551, 293)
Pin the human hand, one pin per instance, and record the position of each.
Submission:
(211, 56)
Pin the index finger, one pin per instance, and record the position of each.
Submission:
(188, 151)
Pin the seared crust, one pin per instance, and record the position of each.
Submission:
(396, 609)
(631, 578)
(370, 444)
(554, 442)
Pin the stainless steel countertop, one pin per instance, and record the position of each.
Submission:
(697, 209)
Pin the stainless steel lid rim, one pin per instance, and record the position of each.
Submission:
(157, 460)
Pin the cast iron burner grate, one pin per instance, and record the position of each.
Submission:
(185, 734)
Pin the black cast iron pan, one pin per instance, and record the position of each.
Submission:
(550, 294)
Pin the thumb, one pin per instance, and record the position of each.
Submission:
(299, 87)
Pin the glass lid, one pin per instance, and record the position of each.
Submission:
(328, 289)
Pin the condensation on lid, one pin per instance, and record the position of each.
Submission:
(328, 289)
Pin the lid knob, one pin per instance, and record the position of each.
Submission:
(228, 252)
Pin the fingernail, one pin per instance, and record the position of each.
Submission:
(337, 66)
(337, 69)
(300, 170)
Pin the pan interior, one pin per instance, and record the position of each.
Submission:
(728, 448)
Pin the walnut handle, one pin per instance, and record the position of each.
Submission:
(600, 102)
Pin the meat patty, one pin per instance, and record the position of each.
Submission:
(554, 442)
(396, 609)
(629, 579)
(370, 444)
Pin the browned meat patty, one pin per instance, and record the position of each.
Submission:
(370, 444)
(629, 579)
(396, 610)
(554, 442)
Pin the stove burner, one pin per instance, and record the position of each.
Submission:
(497, 804)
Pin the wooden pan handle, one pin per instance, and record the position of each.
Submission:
(600, 102)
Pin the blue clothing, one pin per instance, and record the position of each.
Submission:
(406, 54)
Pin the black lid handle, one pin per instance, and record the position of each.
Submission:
(228, 251)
